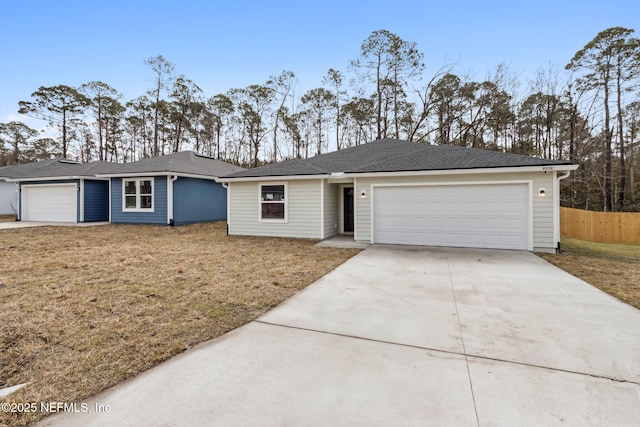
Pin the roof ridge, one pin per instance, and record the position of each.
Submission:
(204, 156)
(418, 149)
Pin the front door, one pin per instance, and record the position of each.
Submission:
(347, 204)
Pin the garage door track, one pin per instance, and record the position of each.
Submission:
(406, 336)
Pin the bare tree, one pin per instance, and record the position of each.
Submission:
(335, 79)
(282, 87)
(58, 105)
(163, 71)
(388, 61)
(19, 137)
(604, 61)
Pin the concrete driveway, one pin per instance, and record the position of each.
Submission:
(10, 225)
(405, 336)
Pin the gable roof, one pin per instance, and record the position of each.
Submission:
(391, 155)
(184, 162)
(14, 170)
(56, 168)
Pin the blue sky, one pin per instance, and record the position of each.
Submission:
(222, 45)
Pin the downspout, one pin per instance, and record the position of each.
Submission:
(19, 201)
(355, 212)
(322, 236)
(170, 181)
(110, 179)
(556, 208)
(225, 185)
(81, 190)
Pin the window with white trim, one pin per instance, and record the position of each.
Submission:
(137, 194)
(273, 202)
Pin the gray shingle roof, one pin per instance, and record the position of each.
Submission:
(390, 155)
(56, 168)
(186, 162)
(27, 168)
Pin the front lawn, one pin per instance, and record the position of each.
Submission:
(82, 309)
(613, 268)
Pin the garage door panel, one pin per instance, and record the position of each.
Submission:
(416, 207)
(494, 222)
(474, 223)
(515, 224)
(434, 208)
(56, 203)
(484, 215)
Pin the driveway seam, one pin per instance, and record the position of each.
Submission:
(455, 353)
(548, 368)
(464, 349)
(359, 338)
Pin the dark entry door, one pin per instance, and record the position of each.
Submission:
(348, 209)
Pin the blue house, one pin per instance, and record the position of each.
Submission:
(60, 190)
(174, 189)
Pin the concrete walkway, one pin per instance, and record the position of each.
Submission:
(342, 241)
(405, 336)
(10, 225)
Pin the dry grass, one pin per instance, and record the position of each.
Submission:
(7, 218)
(612, 268)
(83, 309)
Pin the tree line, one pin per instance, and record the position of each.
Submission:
(588, 114)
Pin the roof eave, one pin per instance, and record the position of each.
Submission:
(126, 174)
(53, 178)
(510, 169)
(342, 175)
(156, 173)
(272, 178)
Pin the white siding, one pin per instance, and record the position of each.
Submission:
(8, 198)
(542, 207)
(331, 214)
(303, 204)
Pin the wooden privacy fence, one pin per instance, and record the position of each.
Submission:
(601, 227)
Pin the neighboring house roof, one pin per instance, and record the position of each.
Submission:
(185, 162)
(13, 170)
(390, 155)
(56, 168)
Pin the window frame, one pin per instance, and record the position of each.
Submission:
(138, 195)
(285, 202)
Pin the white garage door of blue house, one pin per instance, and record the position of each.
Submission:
(476, 216)
(56, 203)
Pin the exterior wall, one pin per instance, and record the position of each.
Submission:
(542, 209)
(159, 214)
(96, 200)
(8, 198)
(303, 204)
(198, 200)
(60, 181)
(331, 208)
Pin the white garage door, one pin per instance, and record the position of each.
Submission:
(49, 203)
(475, 216)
